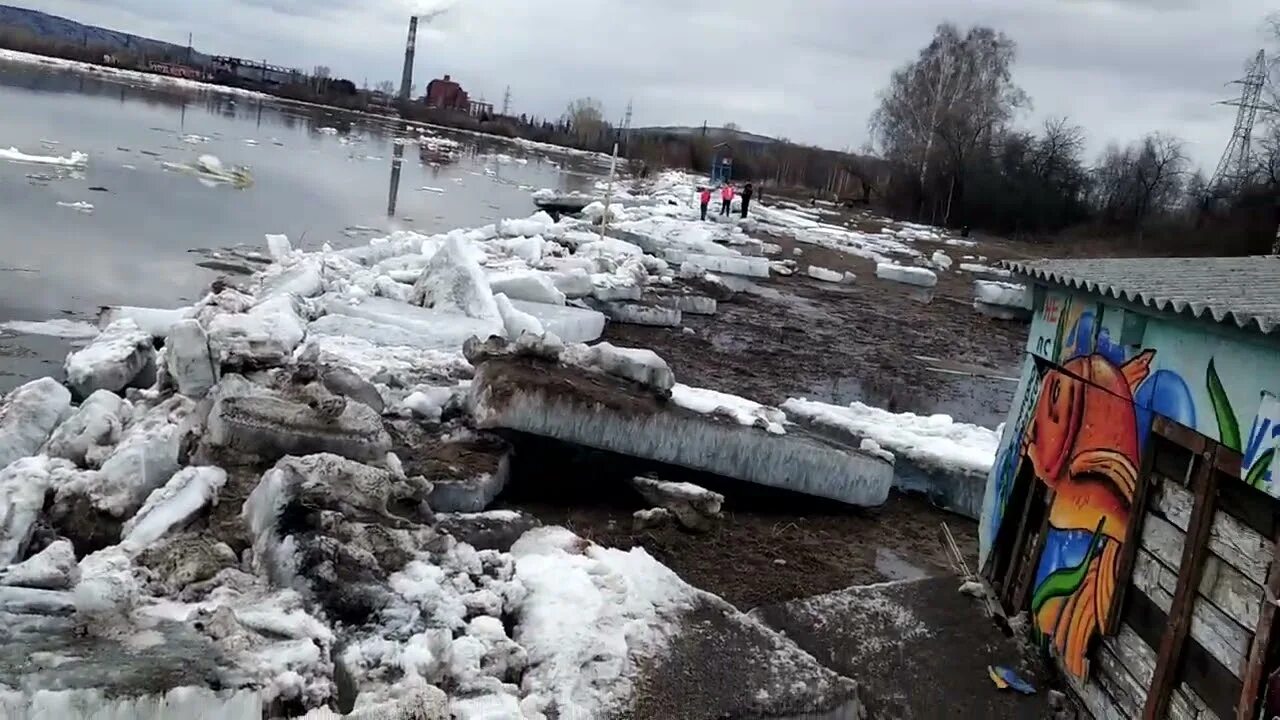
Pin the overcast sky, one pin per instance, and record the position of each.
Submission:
(808, 70)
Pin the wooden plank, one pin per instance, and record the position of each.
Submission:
(1180, 434)
(1194, 552)
(1229, 462)
(1230, 539)
(1133, 652)
(1170, 460)
(1027, 571)
(1163, 540)
(1095, 700)
(1253, 507)
(1208, 683)
(1125, 690)
(1256, 666)
(1201, 670)
(1133, 534)
(1227, 588)
(1153, 579)
(1035, 501)
(1180, 708)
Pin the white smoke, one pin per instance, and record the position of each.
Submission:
(428, 10)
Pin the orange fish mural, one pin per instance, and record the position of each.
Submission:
(1082, 441)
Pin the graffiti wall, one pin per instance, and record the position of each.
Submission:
(1096, 376)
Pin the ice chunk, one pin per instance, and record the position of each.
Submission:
(53, 568)
(534, 396)
(429, 402)
(453, 281)
(22, 489)
(540, 223)
(94, 428)
(573, 282)
(831, 276)
(28, 415)
(188, 359)
(570, 324)
(637, 364)
(941, 260)
(80, 206)
(92, 704)
(633, 313)
(375, 333)
(174, 505)
(532, 286)
(436, 329)
(303, 279)
(75, 159)
(108, 589)
(118, 358)
(744, 411)
(985, 270)
(517, 322)
(1001, 299)
(947, 460)
(265, 335)
(904, 274)
(59, 328)
(695, 507)
(731, 265)
(155, 321)
(279, 247)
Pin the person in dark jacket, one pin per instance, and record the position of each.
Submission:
(747, 192)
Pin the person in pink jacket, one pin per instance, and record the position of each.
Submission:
(726, 198)
(704, 199)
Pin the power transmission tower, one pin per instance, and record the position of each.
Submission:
(506, 102)
(1236, 166)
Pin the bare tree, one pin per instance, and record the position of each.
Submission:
(585, 117)
(386, 87)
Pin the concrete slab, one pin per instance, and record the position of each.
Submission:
(918, 648)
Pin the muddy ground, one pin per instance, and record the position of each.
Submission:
(883, 343)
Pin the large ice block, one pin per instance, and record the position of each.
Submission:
(437, 329)
(28, 415)
(598, 411)
(120, 356)
(570, 324)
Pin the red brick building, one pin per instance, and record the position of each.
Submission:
(445, 93)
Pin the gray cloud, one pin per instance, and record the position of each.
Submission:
(808, 70)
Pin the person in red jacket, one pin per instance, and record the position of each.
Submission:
(704, 196)
(726, 198)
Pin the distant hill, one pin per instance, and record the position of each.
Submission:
(52, 27)
(716, 134)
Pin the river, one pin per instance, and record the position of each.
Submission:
(157, 236)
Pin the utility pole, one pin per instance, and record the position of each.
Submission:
(506, 102)
(190, 38)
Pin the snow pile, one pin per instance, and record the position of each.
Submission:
(904, 274)
(589, 615)
(13, 154)
(934, 441)
(744, 411)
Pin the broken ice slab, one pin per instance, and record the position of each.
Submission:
(884, 633)
(731, 264)
(120, 356)
(265, 335)
(543, 398)
(696, 508)
(944, 460)
(530, 285)
(634, 313)
(608, 293)
(1002, 300)
(685, 302)
(23, 485)
(28, 415)
(570, 324)
(491, 530)
(466, 469)
(921, 277)
(189, 360)
(155, 321)
(438, 330)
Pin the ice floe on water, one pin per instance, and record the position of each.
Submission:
(79, 206)
(210, 171)
(75, 159)
(59, 328)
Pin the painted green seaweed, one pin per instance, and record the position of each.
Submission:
(1228, 426)
(1064, 581)
(1258, 473)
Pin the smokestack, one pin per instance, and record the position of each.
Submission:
(406, 81)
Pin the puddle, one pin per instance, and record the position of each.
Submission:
(894, 567)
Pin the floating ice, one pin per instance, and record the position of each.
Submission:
(59, 328)
(904, 274)
(13, 154)
(28, 415)
(79, 206)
